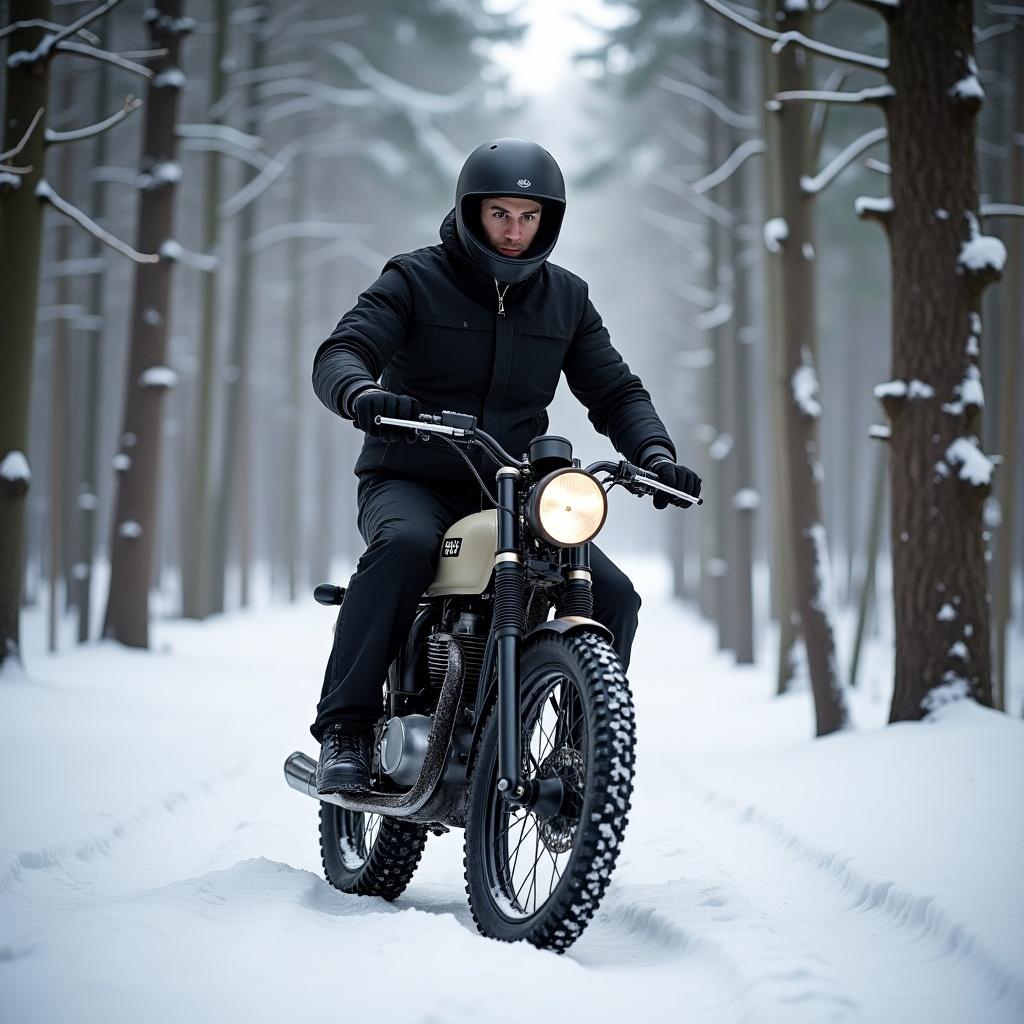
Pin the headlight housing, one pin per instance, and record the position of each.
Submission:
(567, 507)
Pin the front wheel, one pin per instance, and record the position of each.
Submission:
(541, 879)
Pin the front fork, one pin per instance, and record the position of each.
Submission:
(545, 795)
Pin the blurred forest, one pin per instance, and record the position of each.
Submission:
(796, 244)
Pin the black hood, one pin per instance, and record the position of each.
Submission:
(509, 167)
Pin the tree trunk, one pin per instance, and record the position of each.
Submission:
(234, 474)
(1009, 405)
(198, 511)
(743, 501)
(939, 477)
(133, 535)
(801, 414)
(871, 545)
(21, 220)
(88, 486)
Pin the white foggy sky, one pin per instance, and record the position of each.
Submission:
(555, 33)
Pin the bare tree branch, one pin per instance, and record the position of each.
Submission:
(1002, 210)
(877, 165)
(707, 100)
(735, 160)
(130, 104)
(780, 40)
(85, 19)
(21, 144)
(886, 8)
(105, 56)
(404, 96)
(878, 95)
(46, 193)
(332, 231)
(811, 186)
(89, 37)
(984, 35)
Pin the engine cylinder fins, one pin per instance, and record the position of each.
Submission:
(473, 660)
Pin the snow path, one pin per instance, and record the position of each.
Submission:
(155, 867)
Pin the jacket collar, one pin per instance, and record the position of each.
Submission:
(475, 282)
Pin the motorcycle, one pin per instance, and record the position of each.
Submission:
(499, 718)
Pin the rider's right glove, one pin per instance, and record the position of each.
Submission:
(671, 475)
(374, 402)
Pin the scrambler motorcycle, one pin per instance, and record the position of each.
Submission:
(498, 718)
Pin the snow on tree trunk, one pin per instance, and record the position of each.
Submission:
(940, 265)
(802, 408)
(134, 527)
(21, 219)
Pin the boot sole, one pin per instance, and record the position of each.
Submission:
(338, 784)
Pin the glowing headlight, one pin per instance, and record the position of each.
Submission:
(567, 507)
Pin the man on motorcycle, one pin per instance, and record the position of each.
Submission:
(482, 324)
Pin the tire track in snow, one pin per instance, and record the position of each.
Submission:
(920, 918)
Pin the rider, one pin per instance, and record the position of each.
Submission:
(482, 324)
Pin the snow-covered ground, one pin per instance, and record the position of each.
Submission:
(155, 867)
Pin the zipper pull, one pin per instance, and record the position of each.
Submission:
(501, 297)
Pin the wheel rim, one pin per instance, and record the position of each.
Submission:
(357, 832)
(527, 856)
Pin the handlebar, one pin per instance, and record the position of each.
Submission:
(463, 426)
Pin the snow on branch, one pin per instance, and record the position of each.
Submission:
(174, 252)
(735, 160)
(879, 95)
(780, 40)
(46, 193)
(983, 256)
(20, 146)
(812, 186)
(707, 100)
(878, 165)
(104, 57)
(1002, 210)
(985, 34)
(397, 92)
(254, 158)
(874, 208)
(218, 131)
(130, 104)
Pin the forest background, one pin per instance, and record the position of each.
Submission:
(790, 216)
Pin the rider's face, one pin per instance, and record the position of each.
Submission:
(510, 223)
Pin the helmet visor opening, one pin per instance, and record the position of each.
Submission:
(552, 211)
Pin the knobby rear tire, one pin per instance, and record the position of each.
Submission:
(384, 866)
(604, 749)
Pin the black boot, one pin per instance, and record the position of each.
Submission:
(344, 765)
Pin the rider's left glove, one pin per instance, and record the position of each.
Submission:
(682, 478)
(370, 404)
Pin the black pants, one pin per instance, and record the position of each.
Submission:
(402, 523)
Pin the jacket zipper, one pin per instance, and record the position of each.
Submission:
(501, 297)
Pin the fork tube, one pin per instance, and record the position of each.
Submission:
(509, 626)
(578, 598)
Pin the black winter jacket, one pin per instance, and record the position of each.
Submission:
(429, 327)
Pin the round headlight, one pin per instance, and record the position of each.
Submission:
(567, 507)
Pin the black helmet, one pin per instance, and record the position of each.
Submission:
(509, 167)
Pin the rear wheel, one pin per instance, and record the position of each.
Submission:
(542, 878)
(369, 854)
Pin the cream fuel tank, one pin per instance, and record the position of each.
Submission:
(466, 560)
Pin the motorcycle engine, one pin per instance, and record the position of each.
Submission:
(470, 630)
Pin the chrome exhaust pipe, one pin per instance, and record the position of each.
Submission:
(300, 768)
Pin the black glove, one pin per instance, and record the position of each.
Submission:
(373, 403)
(671, 475)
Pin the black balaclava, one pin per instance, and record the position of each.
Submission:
(509, 167)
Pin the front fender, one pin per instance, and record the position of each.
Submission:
(564, 626)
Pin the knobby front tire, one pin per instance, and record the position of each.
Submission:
(542, 879)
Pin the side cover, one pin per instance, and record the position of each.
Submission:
(466, 560)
